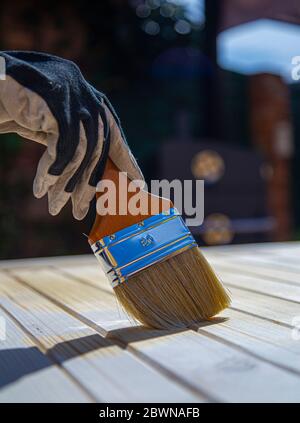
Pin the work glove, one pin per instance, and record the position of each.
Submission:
(45, 98)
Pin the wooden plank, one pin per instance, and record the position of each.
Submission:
(224, 372)
(267, 248)
(285, 262)
(221, 371)
(282, 260)
(229, 275)
(46, 261)
(263, 270)
(274, 309)
(106, 371)
(28, 375)
(72, 292)
(273, 342)
(267, 351)
(261, 285)
(267, 307)
(251, 323)
(274, 264)
(260, 328)
(92, 275)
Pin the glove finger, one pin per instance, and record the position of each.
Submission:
(120, 152)
(81, 209)
(57, 202)
(43, 179)
(98, 171)
(57, 195)
(84, 192)
(90, 125)
(45, 182)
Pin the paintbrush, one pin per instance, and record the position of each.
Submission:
(159, 275)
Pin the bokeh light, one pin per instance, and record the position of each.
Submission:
(182, 27)
(218, 229)
(208, 165)
(151, 27)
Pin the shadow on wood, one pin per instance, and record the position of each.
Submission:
(19, 362)
(141, 333)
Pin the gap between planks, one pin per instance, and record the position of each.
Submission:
(109, 297)
(96, 279)
(45, 352)
(28, 375)
(258, 318)
(173, 388)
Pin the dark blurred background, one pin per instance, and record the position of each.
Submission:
(204, 90)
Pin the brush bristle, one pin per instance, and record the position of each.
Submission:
(178, 292)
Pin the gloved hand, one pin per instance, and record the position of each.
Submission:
(46, 99)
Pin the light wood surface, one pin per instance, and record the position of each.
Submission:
(68, 340)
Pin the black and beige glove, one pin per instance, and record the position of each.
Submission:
(46, 99)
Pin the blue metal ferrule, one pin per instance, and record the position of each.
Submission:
(141, 245)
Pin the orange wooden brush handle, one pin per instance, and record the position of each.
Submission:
(106, 225)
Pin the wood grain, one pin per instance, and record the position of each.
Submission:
(106, 371)
(66, 331)
(209, 363)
